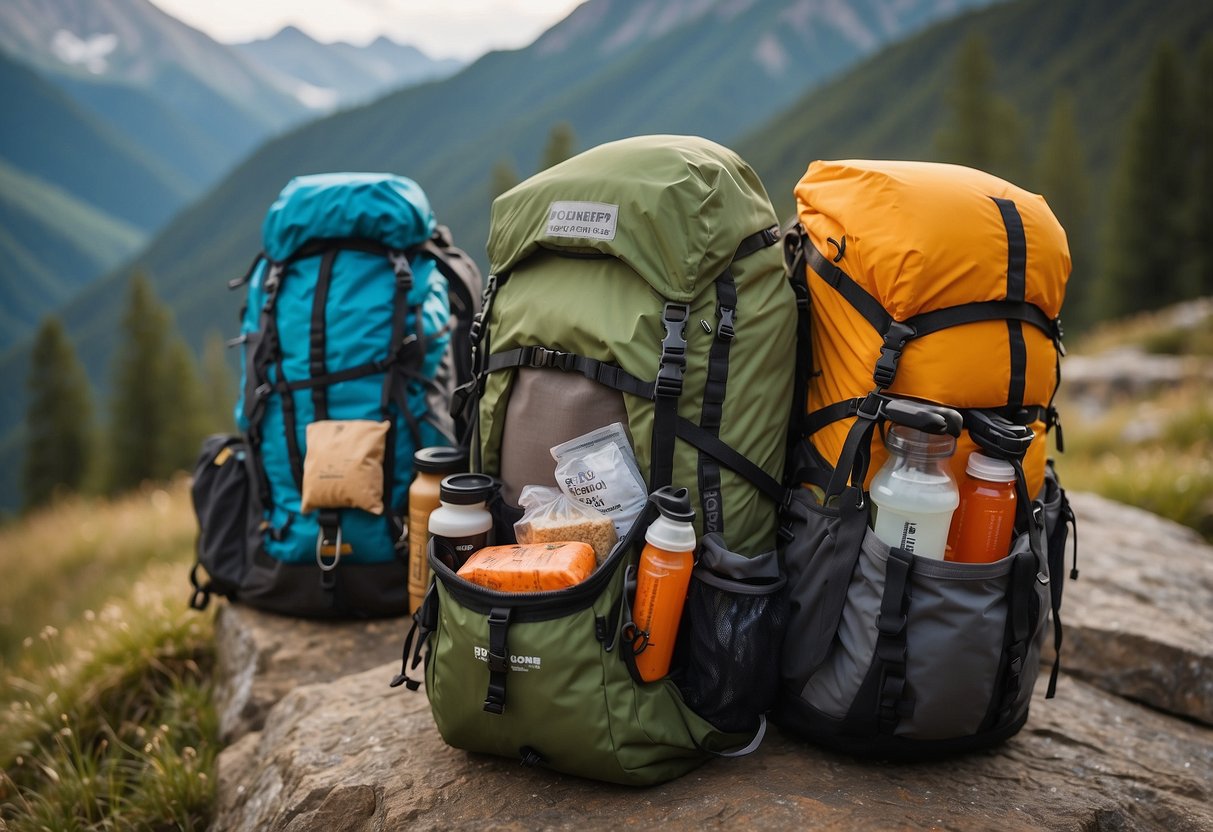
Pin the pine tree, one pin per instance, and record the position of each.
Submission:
(560, 145)
(139, 409)
(503, 177)
(985, 130)
(58, 420)
(1202, 174)
(187, 420)
(1061, 176)
(1145, 255)
(219, 385)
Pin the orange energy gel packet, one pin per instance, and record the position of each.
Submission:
(530, 567)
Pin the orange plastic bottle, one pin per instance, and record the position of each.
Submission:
(430, 465)
(662, 579)
(985, 520)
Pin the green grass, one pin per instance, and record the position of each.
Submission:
(107, 722)
(1167, 469)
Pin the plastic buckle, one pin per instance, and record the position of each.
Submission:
(402, 269)
(542, 357)
(497, 663)
(895, 339)
(673, 350)
(890, 627)
(724, 330)
(877, 402)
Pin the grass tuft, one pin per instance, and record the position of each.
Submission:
(107, 722)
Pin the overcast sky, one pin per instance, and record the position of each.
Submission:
(441, 28)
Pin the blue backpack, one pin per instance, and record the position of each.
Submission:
(357, 315)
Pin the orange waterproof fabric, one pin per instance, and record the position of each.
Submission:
(920, 237)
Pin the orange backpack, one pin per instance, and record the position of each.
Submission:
(930, 281)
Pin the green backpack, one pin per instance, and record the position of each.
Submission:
(639, 283)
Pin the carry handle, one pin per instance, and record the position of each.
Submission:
(998, 435)
(928, 418)
(877, 408)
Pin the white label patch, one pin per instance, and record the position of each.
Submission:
(591, 220)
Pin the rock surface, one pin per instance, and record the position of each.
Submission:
(321, 742)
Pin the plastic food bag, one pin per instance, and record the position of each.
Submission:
(549, 517)
(599, 470)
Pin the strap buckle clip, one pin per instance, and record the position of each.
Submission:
(542, 357)
(724, 329)
(895, 339)
(673, 350)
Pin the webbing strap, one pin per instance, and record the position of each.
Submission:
(317, 343)
(1020, 590)
(734, 460)
(986, 310)
(600, 371)
(670, 369)
(714, 391)
(845, 285)
(1017, 264)
(498, 659)
(794, 261)
(893, 700)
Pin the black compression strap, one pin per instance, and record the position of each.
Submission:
(317, 342)
(794, 261)
(709, 443)
(670, 369)
(852, 292)
(714, 391)
(317, 246)
(289, 428)
(757, 242)
(1017, 264)
(989, 310)
(498, 659)
(600, 371)
(1017, 249)
(893, 700)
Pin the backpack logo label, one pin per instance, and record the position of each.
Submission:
(590, 220)
(518, 664)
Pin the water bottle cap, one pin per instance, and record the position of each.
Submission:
(466, 489)
(989, 468)
(440, 460)
(909, 441)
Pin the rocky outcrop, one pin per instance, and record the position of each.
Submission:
(324, 743)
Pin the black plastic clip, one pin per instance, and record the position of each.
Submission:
(673, 350)
(724, 330)
(402, 270)
(895, 339)
(541, 358)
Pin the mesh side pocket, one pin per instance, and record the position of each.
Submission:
(727, 659)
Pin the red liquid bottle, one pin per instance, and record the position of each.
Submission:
(984, 522)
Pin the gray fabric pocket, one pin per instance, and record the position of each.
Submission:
(956, 630)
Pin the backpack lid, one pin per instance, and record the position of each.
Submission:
(921, 236)
(377, 206)
(674, 208)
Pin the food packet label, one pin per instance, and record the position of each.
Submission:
(599, 470)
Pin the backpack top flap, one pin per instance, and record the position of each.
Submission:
(376, 206)
(673, 208)
(922, 236)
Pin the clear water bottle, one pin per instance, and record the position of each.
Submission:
(914, 492)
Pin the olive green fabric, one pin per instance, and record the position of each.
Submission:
(684, 204)
(568, 698)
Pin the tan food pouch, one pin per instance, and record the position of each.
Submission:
(343, 467)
